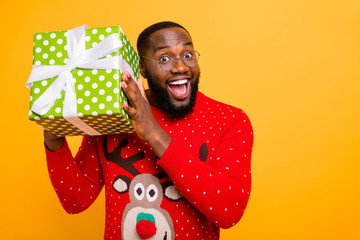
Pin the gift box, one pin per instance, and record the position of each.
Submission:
(75, 81)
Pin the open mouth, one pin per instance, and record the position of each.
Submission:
(179, 89)
(165, 237)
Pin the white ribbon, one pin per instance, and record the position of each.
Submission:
(78, 58)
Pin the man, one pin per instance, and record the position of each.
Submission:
(184, 174)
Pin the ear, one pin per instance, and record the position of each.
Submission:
(121, 184)
(142, 68)
(171, 193)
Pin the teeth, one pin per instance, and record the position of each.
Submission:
(178, 82)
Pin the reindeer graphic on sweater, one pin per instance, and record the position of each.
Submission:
(143, 218)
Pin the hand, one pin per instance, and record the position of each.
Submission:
(52, 141)
(142, 118)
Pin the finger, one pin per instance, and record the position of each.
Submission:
(130, 89)
(129, 110)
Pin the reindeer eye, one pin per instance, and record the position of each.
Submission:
(139, 191)
(152, 193)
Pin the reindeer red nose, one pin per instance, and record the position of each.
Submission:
(145, 225)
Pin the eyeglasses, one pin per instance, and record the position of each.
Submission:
(167, 62)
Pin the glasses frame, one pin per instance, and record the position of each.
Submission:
(175, 60)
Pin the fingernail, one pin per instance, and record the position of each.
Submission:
(123, 84)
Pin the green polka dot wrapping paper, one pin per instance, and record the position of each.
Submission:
(99, 96)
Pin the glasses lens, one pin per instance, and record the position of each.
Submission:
(167, 66)
(190, 58)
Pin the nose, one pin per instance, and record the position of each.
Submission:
(145, 225)
(180, 66)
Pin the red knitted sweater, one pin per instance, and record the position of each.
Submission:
(201, 183)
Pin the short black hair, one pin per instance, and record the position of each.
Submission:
(143, 39)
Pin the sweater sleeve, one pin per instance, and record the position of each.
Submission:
(219, 187)
(77, 181)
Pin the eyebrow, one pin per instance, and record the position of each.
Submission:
(168, 47)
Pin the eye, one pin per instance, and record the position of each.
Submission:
(164, 59)
(188, 55)
(152, 193)
(139, 191)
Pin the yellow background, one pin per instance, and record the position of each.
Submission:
(293, 66)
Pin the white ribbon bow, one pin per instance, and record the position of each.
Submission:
(78, 58)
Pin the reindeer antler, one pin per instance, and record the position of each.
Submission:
(125, 163)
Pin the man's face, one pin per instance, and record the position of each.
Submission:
(174, 90)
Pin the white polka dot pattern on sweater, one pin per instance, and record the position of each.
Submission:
(208, 160)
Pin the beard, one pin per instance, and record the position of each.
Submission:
(164, 98)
